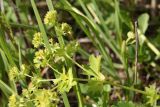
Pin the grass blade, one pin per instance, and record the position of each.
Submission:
(40, 24)
(4, 46)
(49, 4)
(5, 60)
(117, 23)
(6, 89)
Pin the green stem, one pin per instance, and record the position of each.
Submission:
(76, 63)
(28, 76)
(105, 98)
(25, 26)
(54, 69)
(76, 88)
(125, 87)
(65, 99)
(78, 92)
(61, 42)
(108, 82)
(59, 36)
(80, 65)
(114, 84)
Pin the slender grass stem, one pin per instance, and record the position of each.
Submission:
(28, 76)
(76, 63)
(59, 36)
(25, 26)
(136, 55)
(49, 4)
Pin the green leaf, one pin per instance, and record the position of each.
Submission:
(83, 88)
(124, 104)
(4, 60)
(95, 63)
(95, 88)
(143, 22)
(94, 68)
(152, 94)
(65, 81)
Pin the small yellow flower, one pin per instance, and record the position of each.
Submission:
(23, 67)
(65, 82)
(152, 94)
(46, 98)
(40, 58)
(37, 40)
(50, 17)
(13, 73)
(12, 101)
(40, 54)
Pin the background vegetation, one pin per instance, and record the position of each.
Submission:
(79, 53)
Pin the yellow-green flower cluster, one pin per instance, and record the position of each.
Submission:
(37, 40)
(66, 28)
(36, 81)
(65, 81)
(12, 101)
(43, 56)
(13, 73)
(16, 74)
(39, 59)
(27, 93)
(24, 71)
(131, 37)
(22, 102)
(39, 97)
(50, 17)
(152, 94)
(46, 98)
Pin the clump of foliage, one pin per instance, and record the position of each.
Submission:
(44, 72)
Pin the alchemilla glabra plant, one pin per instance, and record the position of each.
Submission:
(36, 94)
(54, 73)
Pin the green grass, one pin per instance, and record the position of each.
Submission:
(52, 75)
